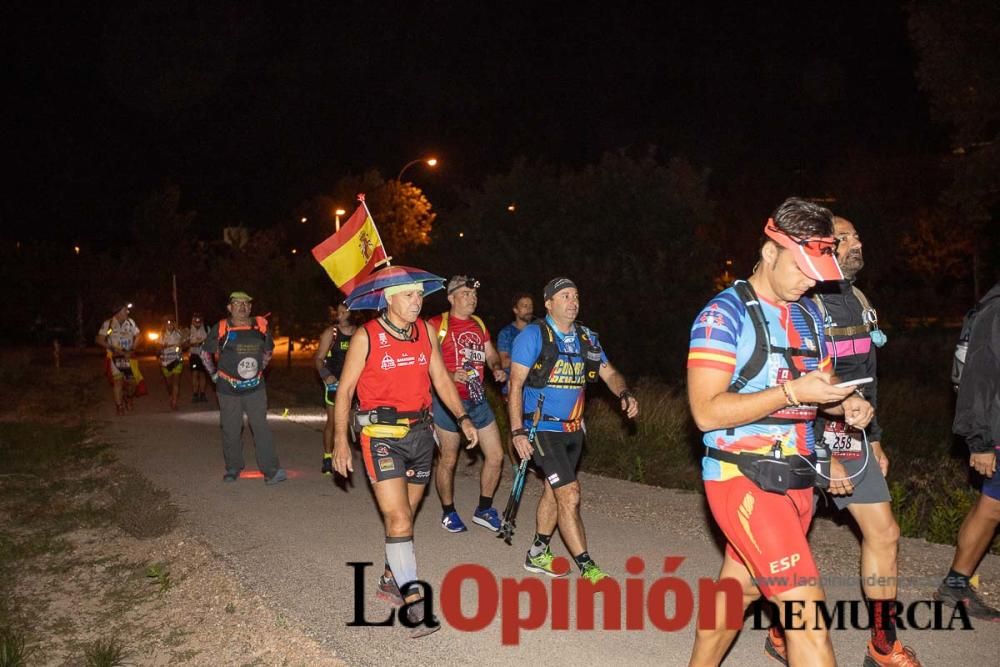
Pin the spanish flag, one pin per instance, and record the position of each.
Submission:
(353, 252)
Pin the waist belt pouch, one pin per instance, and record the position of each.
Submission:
(386, 430)
(822, 473)
(380, 415)
(773, 475)
(244, 385)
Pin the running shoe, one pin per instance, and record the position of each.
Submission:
(901, 656)
(327, 468)
(487, 518)
(542, 563)
(230, 477)
(387, 591)
(592, 573)
(278, 477)
(967, 595)
(774, 646)
(453, 523)
(415, 616)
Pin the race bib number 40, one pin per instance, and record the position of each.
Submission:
(842, 441)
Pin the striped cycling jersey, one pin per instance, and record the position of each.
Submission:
(723, 338)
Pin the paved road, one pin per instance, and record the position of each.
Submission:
(290, 543)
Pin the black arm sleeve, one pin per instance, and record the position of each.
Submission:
(977, 410)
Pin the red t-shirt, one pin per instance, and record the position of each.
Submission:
(464, 340)
(396, 372)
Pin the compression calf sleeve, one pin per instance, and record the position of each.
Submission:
(401, 559)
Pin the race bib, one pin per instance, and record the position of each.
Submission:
(475, 356)
(247, 368)
(170, 355)
(122, 363)
(842, 441)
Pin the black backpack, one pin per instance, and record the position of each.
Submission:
(962, 346)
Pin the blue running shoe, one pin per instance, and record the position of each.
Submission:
(487, 518)
(453, 523)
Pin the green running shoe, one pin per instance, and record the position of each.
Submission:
(542, 563)
(592, 573)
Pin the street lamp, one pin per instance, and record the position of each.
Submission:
(339, 212)
(430, 162)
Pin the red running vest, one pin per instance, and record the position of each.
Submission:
(396, 372)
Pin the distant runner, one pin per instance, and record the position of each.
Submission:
(523, 307)
(197, 334)
(118, 335)
(330, 355)
(244, 345)
(171, 359)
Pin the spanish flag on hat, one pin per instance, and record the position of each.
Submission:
(353, 252)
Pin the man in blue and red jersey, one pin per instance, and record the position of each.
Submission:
(392, 362)
(757, 373)
(467, 352)
(556, 358)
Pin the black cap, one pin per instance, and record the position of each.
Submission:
(556, 285)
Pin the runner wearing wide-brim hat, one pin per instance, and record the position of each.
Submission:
(392, 363)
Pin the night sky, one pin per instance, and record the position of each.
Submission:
(252, 107)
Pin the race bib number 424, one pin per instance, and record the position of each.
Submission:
(247, 368)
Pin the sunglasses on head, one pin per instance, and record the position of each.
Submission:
(826, 245)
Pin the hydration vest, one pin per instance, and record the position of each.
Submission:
(258, 325)
(541, 370)
(762, 347)
(443, 329)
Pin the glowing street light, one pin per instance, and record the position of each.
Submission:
(512, 207)
(304, 220)
(76, 249)
(430, 162)
(339, 212)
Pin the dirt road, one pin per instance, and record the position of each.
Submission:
(291, 542)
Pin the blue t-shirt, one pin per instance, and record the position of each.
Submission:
(723, 338)
(562, 402)
(505, 343)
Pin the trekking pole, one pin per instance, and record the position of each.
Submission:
(509, 521)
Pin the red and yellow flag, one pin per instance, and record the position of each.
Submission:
(352, 253)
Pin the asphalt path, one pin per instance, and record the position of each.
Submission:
(291, 543)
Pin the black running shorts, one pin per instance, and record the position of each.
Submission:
(410, 457)
(557, 455)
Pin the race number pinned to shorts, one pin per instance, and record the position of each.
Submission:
(247, 368)
(842, 441)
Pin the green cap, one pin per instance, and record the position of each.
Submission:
(240, 296)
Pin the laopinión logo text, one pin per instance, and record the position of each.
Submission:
(626, 605)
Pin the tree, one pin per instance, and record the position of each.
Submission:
(959, 67)
(403, 215)
(636, 235)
